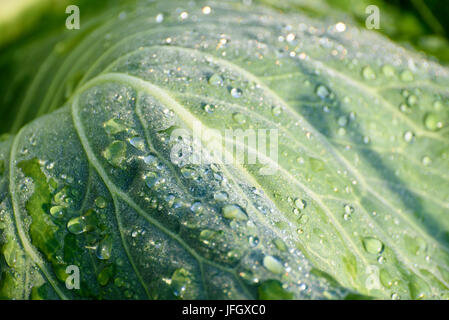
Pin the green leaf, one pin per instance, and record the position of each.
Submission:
(353, 205)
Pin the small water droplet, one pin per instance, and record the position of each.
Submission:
(236, 93)
(322, 91)
(216, 80)
(368, 73)
(100, 202)
(239, 118)
(409, 136)
(300, 204)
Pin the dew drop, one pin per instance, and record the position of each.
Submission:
(115, 153)
(114, 126)
(409, 136)
(239, 118)
(209, 108)
(104, 248)
(388, 71)
(368, 73)
(276, 110)
(138, 143)
(372, 245)
(300, 204)
(220, 196)
(426, 160)
(57, 211)
(432, 122)
(273, 265)
(234, 212)
(101, 203)
(322, 91)
(236, 93)
(77, 225)
(197, 207)
(216, 80)
(406, 76)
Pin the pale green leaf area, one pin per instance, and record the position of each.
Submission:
(358, 206)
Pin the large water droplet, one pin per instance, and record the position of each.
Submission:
(233, 211)
(273, 265)
(104, 248)
(77, 225)
(372, 245)
(115, 153)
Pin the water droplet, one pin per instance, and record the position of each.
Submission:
(159, 18)
(368, 73)
(114, 126)
(115, 153)
(189, 173)
(239, 118)
(77, 225)
(385, 278)
(209, 108)
(300, 204)
(426, 160)
(276, 110)
(395, 296)
(220, 196)
(409, 136)
(138, 143)
(233, 211)
(406, 76)
(104, 248)
(236, 93)
(153, 180)
(150, 159)
(372, 245)
(388, 71)
(253, 241)
(322, 91)
(280, 244)
(340, 27)
(181, 280)
(418, 288)
(57, 211)
(216, 80)
(206, 10)
(100, 202)
(197, 207)
(404, 108)
(273, 265)
(432, 122)
(412, 100)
